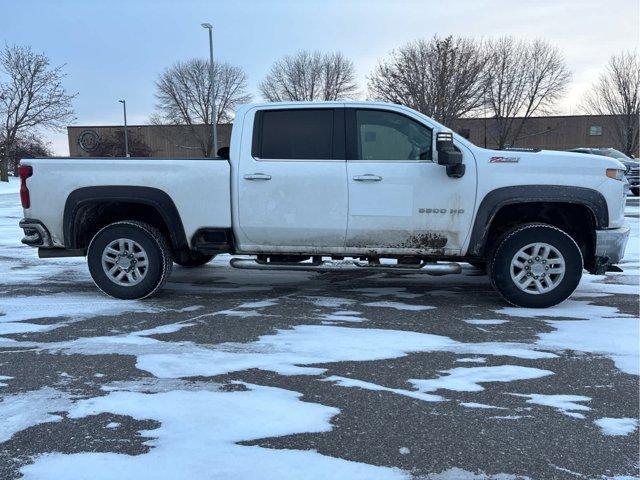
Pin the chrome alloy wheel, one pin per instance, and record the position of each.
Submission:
(537, 268)
(125, 262)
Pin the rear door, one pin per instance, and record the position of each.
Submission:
(399, 198)
(292, 185)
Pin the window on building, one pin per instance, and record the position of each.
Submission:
(303, 134)
(391, 136)
(595, 130)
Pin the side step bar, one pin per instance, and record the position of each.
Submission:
(345, 266)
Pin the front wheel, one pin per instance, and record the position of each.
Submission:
(129, 260)
(536, 266)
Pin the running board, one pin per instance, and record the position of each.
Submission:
(428, 268)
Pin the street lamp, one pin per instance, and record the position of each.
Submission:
(214, 133)
(126, 136)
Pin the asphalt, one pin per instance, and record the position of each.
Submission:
(373, 426)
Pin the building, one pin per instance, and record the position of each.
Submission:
(176, 141)
(550, 133)
(163, 141)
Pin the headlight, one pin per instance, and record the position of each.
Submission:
(615, 173)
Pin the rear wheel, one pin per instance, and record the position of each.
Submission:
(193, 259)
(536, 266)
(635, 191)
(129, 260)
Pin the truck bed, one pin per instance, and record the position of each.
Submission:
(199, 188)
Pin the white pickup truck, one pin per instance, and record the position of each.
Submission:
(304, 185)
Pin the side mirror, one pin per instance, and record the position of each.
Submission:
(448, 155)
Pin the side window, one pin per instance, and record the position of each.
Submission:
(301, 134)
(390, 136)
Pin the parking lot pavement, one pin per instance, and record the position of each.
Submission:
(240, 374)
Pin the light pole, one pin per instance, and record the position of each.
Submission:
(126, 135)
(214, 133)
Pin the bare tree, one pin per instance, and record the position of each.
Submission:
(442, 77)
(31, 97)
(184, 96)
(310, 76)
(523, 79)
(26, 145)
(112, 145)
(617, 92)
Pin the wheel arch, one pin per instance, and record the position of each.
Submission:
(88, 209)
(553, 204)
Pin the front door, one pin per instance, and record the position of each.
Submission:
(292, 186)
(399, 198)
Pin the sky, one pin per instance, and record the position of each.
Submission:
(116, 49)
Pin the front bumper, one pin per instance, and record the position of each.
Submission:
(610, 246)
(35, 233)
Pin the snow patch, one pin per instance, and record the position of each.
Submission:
(330, 302)
(341, 317)
(203, 428)
(566, 404)
(485, 322)
(350, 382)
(480, 405)
(472, 360)
(617, 426)
(616, 338)
(468, 379)
(460, 474)
(23, 410)
(399, 306)
(288, 352)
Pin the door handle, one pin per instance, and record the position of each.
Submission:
(257, 176)
(367, 178)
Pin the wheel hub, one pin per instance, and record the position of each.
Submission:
(125, 262)
(537, 268)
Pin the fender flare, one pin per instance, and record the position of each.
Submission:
(153, 197)
(500, 197)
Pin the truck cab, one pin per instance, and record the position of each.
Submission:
(306, 183)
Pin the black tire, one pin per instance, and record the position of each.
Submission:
(193, 259)
(157, 251)
(519, 237)
(635, 191)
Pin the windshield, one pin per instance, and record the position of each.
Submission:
(610, 152)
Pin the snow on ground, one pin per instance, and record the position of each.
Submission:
(23, 410)
(596, 329)
(566, 404)
(14, 310)
(617, 426)
(350, 382)
(287, 352)
(204, 433)
(460, 474)
(485, 322)
(399, 306)
(201, 424)
(468, 379)
(12, 187)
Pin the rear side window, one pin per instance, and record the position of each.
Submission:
(301, 134)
